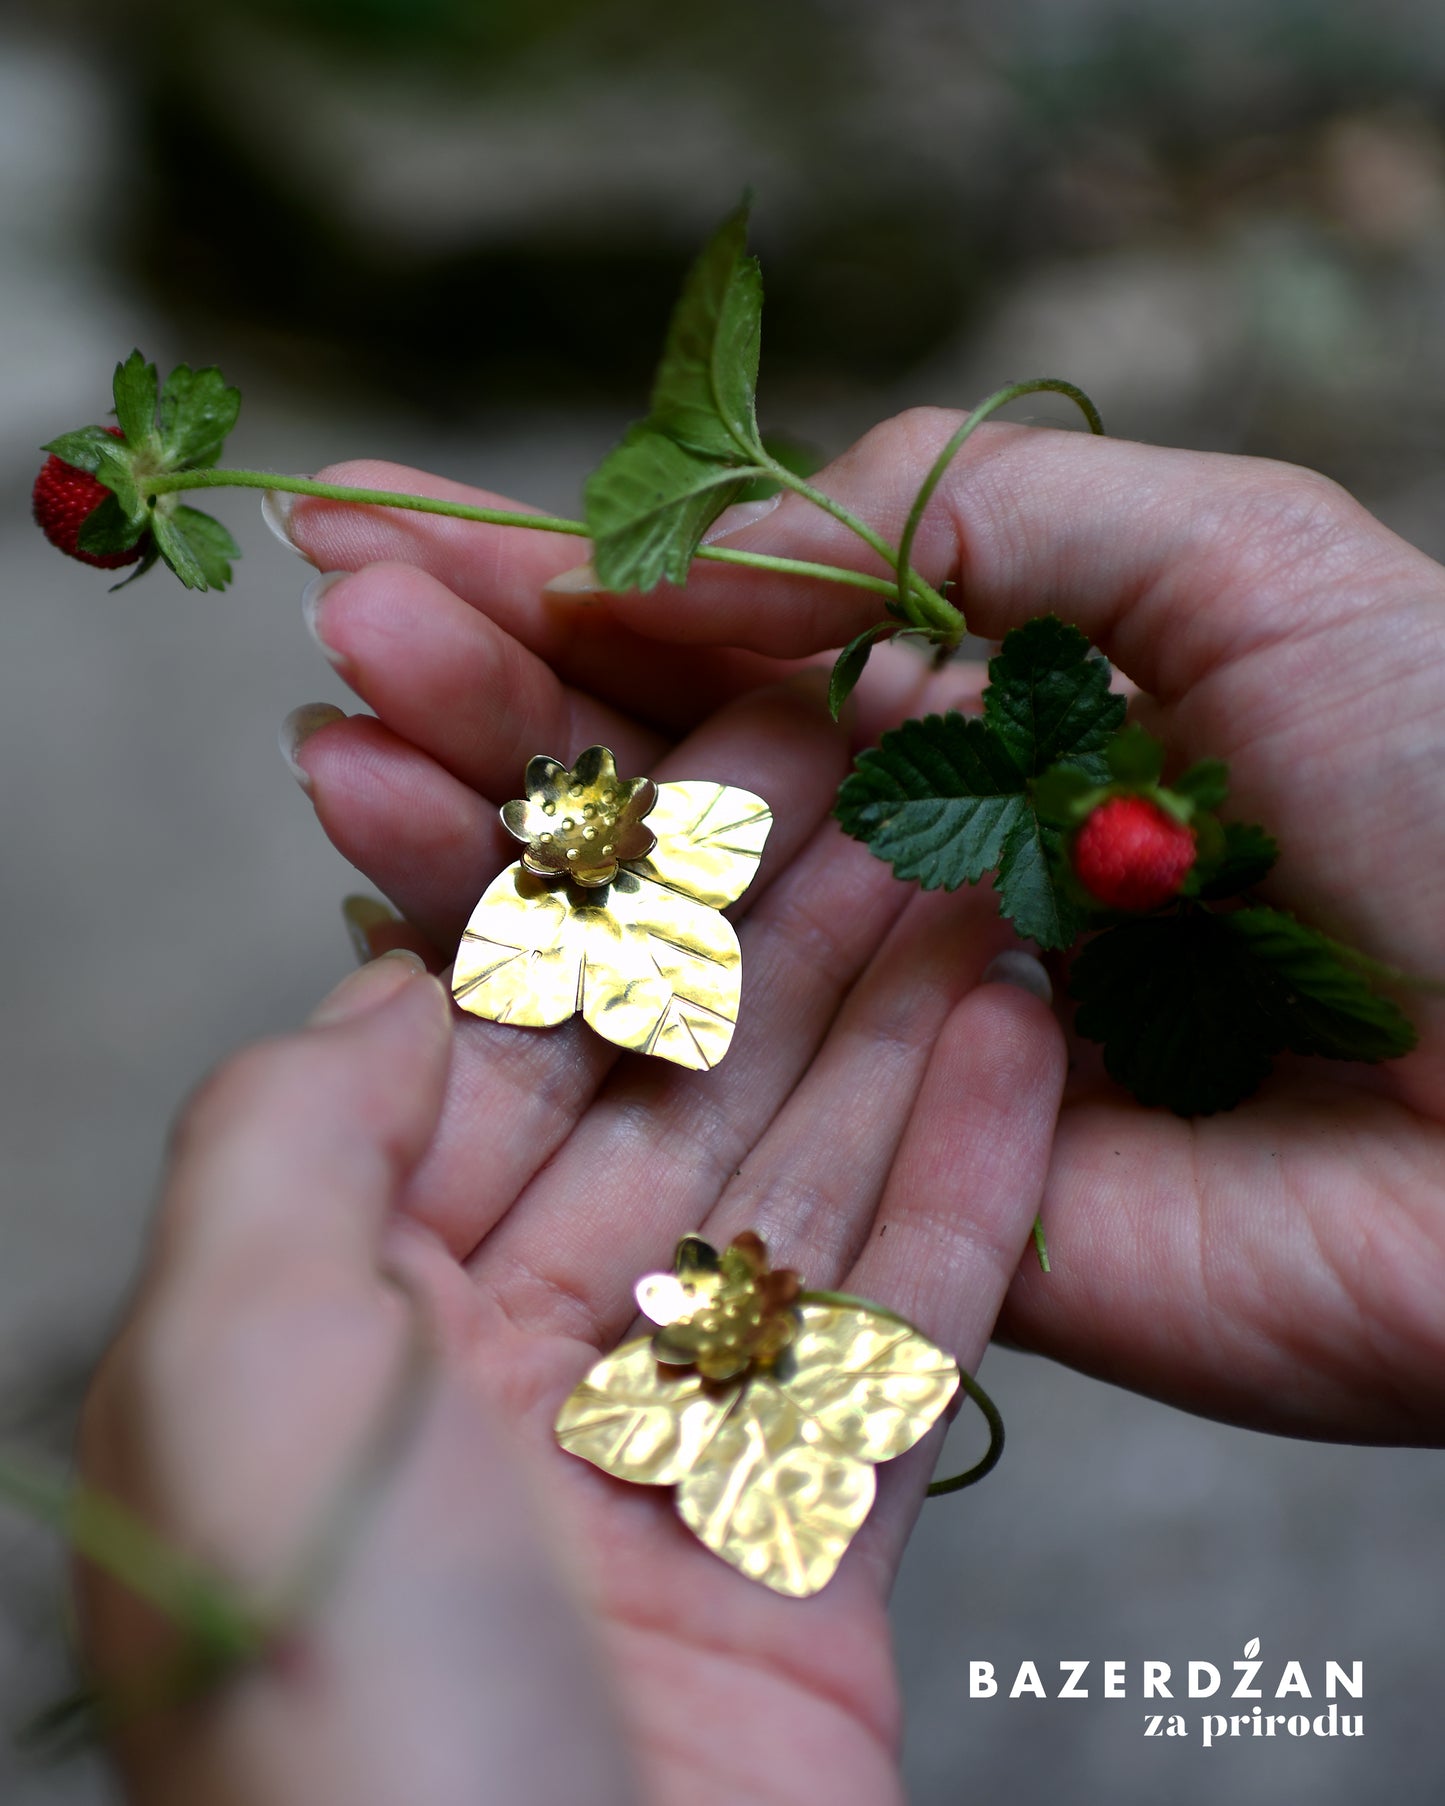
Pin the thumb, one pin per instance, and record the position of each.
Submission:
(297, 1148)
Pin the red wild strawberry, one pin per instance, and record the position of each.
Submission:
(1131, 854)
(63, 498)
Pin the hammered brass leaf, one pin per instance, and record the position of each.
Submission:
(647, 959)
(868, 1380)
(775, 1496)
(638, 1421)
(709, 840)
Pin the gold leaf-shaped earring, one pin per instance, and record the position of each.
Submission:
(765, 1405)
(613, 910)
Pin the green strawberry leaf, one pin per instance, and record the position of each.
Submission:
(936, 798)
(948, 798)
(1048, 699)
(647, 506)
(196, 547)
(198, 408)
(108, 528)
(1243, 857)
(211, 544)
(704, 393)
(1325, 1005)
(113, 468)
(1036, 889)
(1174, 1001)
(1135, 756)
(1206, 784)
(1192, 1007)
(149, 560)
(135, 391)
(83, 449)
(850, 663)
(175, 548)
(1063, 795)
(651, 500)
(796, 455)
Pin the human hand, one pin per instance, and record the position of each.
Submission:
(1279, 1265)
(502, 1615)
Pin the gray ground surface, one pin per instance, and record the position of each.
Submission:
(166, 895)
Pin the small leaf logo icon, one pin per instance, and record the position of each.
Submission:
(1251, 1648)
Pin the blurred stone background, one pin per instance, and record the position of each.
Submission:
(448, 231)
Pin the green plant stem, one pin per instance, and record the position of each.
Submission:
(106, 1534)
(492, 517)
(375, 498)
(999, 399)
(922, 605)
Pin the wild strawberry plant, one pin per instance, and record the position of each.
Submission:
(1190, 983)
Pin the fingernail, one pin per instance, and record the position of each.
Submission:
(369, 988)
(1021, 969)
(740, 515)
(581, 580)
(362, 915)
(311, 600)
(277, 507)
(297, 729)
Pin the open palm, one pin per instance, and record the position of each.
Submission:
(1279, 1265)
(883, 1119)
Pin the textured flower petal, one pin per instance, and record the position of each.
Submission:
(669, 1297)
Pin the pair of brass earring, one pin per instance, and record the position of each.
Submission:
(767, 1406)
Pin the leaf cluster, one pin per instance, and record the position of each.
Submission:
(650, 501)
(181, 426)
(947, 799)
(1193, 1006)
(1192, 1003)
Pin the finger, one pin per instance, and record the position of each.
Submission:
(969, 1179)
(501, 571)
(375, 928)
(1172, 561)
(425, 839)
(956, 1215)
(447, 679)
(1217, 1263)
(811, 1187)
(901, 682)
(294, 1152)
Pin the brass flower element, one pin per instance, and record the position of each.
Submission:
(766, 1406)
(616, 913)
(721, 1315)
(581, 824)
